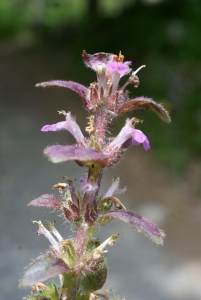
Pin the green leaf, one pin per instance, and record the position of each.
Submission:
(94, 281)
(104, 205)
(50, 292)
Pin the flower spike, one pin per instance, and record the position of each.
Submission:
(79, 261)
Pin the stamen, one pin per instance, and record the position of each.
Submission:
(119, 58)
(136, 121)
(60, 187)
(40, 286)
(109, 242)
(90, 128)
(133, 78)
(92, 296)
(135, 72)
(103, 294)
(62, 112)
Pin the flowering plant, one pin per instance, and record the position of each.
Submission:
(79, 262)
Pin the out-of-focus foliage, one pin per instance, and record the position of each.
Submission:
(164, 35)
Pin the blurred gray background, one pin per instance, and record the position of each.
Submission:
(43, 40)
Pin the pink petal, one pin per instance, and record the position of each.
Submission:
(121, 68)
(71, 125)
(94, 60)
(140, 138)
(87, 186)
(125, 133)
(54, 127)
(114, 188)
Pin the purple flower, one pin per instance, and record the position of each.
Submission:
(105, 154)
(55, 244)
(119, 67)
(106, 95)
(129, 135)
(114, 188)
(95, 61)
(140, 138)
(70, 125)
(87, 186)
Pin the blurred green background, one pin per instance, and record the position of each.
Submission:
(164, 35)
